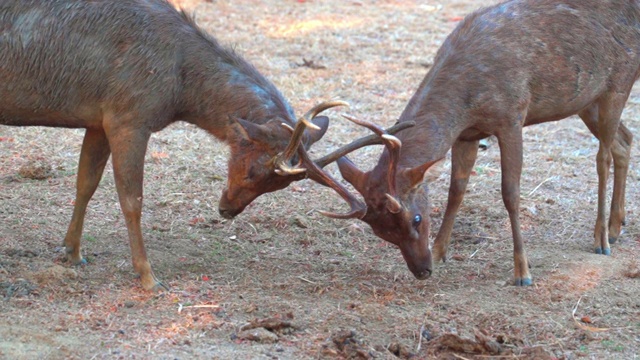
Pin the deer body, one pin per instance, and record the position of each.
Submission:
(519, 63)
(124, 69)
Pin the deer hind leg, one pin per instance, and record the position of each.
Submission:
(510, 142)
(463, 156)
(610, 108)
(129, 147)
(93, 157)
(621, 152)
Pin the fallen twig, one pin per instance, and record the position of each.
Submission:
(307, 280)
(459, 357)
(582, 326)
(180, 307)
(420, 339)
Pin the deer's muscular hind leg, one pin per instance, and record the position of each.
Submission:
(93, 157)
(621, 152)
(610, 109)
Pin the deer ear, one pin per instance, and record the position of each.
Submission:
(314, 135)
(351, 173)
(415, 176)
(248, 130)
(393, 205)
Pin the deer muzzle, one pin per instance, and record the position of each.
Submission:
(229, 209)
(419, 261)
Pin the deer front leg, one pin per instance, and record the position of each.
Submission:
(463, 156)
(510, 142)
(603, 160)
(93, 157)
(129, 147)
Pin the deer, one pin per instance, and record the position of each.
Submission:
(124, 69)
(504, 67)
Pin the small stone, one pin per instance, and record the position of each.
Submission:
(457, 257)
(300, 222)
(129, 304)
(260, 335)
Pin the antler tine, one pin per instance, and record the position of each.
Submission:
(304, 122)
(393, 145)
(368, 140)
(358, 208)
(320, 108)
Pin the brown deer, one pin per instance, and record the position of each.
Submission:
(518, 63)
(123, 69)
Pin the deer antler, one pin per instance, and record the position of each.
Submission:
(358, 209)
(283, 159)
(315, 173)
(373, 139)
(393, 145)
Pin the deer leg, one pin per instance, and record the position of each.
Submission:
(510, 142)
(93, 157)
(609, 111)
(463, 156)
(129, 147)
(621, 152)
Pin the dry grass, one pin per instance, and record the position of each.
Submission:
(343, 291)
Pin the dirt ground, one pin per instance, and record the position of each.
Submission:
(282, 282)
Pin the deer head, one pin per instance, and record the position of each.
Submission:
(268, 157)
(397, 205)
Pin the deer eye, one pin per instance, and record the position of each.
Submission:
(416, 221)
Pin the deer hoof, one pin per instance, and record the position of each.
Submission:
(159, 288)
(155, 287)
(149, 282)
(77, 262)
(524, 282)
(439, 256)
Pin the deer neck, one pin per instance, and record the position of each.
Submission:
(441, 117)
(219, 85)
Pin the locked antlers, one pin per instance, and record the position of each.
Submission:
(313, 169)
(373, 139)
(393, 145)
(285, 167)
(283, 159)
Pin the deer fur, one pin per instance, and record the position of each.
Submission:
(515, 64)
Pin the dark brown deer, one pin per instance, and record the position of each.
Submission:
(124, 69)
(519, 63)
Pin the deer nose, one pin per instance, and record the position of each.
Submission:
(228, 213)
(423, 275)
